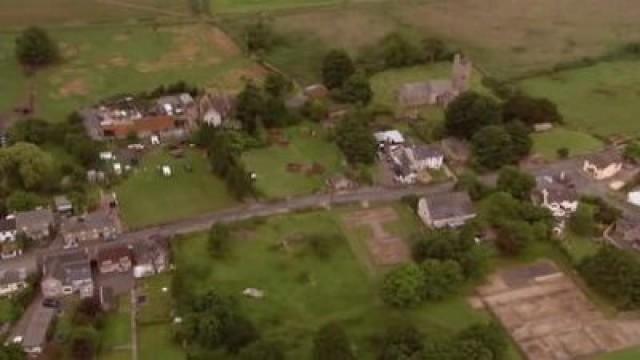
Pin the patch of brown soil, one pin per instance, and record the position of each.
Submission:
(76, 87)
(223, 42)
(118, 61)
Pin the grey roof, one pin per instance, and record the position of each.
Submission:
(61, 201)
(605, 158)
(67, 267)
(36, 332)
(449, 205)
(34, 218)
(296, 101)
(8, 224)
(558, 190)
(418, 93)
(146, 250)
(98, 220)
(421, 152)
(12, 276)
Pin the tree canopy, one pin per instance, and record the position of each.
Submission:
(530, 110)
(34, 47)
(331, 343)
(470, 112)
(492, 148)
(356, 140)
(337, 67)
(403, 286)
(515, 182)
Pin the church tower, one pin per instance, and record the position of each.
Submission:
(461, 73)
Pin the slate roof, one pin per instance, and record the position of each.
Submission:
(67, 267)
(8, 224)
(605, 158)
(98, 219)
(12, 276)
(34, 218)
(557, 189)
(422, 152)
(449, 205)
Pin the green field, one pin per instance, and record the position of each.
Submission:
(116, 333)
(147, 197)
(303, 291)
(628, 354)
(155, 342)
(223, 6)
(104, 61)
(274, 180)
(548, 143)
(579, 247)
(601, 99)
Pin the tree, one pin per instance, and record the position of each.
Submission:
(238, 333)
(458, 246)
(513, 236)
(604, 213)
(337, 67)
(26, 166)
(530, 110)
(403, 286)
(355, 140)
(219, 241)
(249, 108)
(615, 274)
(34, 47)
(12, 352)
(88, 312)
(260, 37)
(582, 221)
(490, 336)
(491, 147)
(398, 51)
(262, 350)
(400, 342)
(84, 342)
(276, 85)
(331, 343)
(434, 49)
(562, 152)
(515, 182)
(23, 201)
(521, 142)
(441, 278)
(356, 90)
(470, 112)
(469, 182)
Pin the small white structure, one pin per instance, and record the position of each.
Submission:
(423, 157)
(155, 140)
(117, 169)
(106, 155)
(166, 170)
(542, 127)
(253, 292)
(135, 147)
(633, 197)
(603, 165)
(392, 137)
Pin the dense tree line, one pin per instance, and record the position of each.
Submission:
(355, 139)
(346, 82)
(615, 274)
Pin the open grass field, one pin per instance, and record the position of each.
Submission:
(507, 38)
(275, 180)
(602, 99)
(304, 291)
(548, 143)
(225, 6)
(116, 333)
(103, 61)
(15, 14)
(147, 197)
(155, 342)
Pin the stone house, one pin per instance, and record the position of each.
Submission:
(36, 224)
(446, 210)
(438, 92)
(94, 226)
(67, 273)
(216, 109)
(603, 165)
(114, 259)
(557, 194)
(151, 256)
(12, 281)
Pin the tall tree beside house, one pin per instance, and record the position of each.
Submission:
(331, 343)
(337, 67)
(260, 37)
(355, 140)
(582, 221)
(403, 287)
(515, 182)
(521, 142)
(26, 166)
(441, 278)
(470, 112)
(35, 48)
(491, 147)
(249, 108)
(276, 85)
(356, 90)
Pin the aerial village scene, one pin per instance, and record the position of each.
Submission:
(319, 179)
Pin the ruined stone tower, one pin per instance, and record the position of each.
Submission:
(461, 73)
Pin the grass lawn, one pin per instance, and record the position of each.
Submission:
(628, 354)
(159, 303)
(8, 311)
(601, 99)
(548, 143)
(303, 292)
(146, 197)
(222, 6)
(270, 164)
(102, 61)
(580, 247)
(116, 334)
(155, 342)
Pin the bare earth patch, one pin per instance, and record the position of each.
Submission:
(550, 318)
(76, 87)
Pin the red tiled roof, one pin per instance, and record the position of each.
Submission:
(147, 124)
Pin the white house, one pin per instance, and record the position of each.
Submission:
(603, 165)
(633, 197)
(392, 137)
(423, 157)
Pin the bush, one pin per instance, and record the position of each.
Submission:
(403, 286)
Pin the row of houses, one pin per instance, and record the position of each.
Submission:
(35, 225)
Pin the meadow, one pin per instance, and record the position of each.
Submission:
(602, 99)
(307, 145)
(546, 144)
(147, 197)
(98, 62)
(304, 291)
(226, 6)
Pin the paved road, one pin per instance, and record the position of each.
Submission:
(203, 222)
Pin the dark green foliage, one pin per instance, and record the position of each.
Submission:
(582, 222)
(276, 85)
(604, 213)
(513, 236)
(260, 37)
(470, 112)
(441, 278)
(337, 67)
(530, 110)
(403, 286)
(515, 182)
(632, 152)
(397, 51)
(521, 142)
(469, 182)
(356, 90)
(435, 50)
(12, 352)
(179, 87)
(34, 47)
(615, 274)
(219, 241)
(250, 108)
(563, 153)
(84, 343)
(22, 201)
(88, 313)
(489, 338)
(401, 342)
(491, 147)
(331, 343)
(458, 246)
(355, 140)
(262, 350)
(320, 245)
